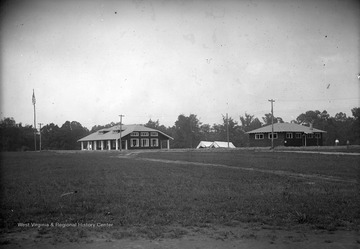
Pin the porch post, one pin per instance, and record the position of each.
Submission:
(117, 144)
(109, 145)
(95, 145)
(82, 145)
(168, 144)
(126, 145)
(102, 144)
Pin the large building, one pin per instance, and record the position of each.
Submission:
(132, 137)
(286, 134)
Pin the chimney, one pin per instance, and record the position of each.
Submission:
(311, 126)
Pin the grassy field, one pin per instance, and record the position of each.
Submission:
(340, 148)
(106, 188)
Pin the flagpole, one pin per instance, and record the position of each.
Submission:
(34, 102)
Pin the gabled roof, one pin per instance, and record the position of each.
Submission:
(286, 127)
(204, 144)
(220, 144)
(114, 132)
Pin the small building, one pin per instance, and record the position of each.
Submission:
(286, 134)
(204, 144)
(132, 137)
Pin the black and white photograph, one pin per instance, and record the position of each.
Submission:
(197, 124)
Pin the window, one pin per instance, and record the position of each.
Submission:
(298, 135)
(154, 134)
(144, 142)
(134, 142)
(144, 134)
(310, 135)
(275, 136)
(259, 136)
(289, 135)
(135, 134)
(154, 142)
(317, 135)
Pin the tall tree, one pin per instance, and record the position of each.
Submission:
(249, 122)
(267, 119)
(152, 124)
(9, 134)
(355, 128)
(95, 128)
(337, 127)
(15, 137)
(341, 117)
(186, 131)
(206, 133)
(316, 118)
(156, 125)
(69, 133)
(236, 135)
(50, 137)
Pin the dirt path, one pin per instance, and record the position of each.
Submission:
(276, 172)
(211, 238)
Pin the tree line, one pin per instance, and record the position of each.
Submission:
(187, 131)
(16, 137)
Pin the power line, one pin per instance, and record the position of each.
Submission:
(34, 103)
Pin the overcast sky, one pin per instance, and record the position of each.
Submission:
(89, 61)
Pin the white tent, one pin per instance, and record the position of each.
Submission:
(204, 144)
(220, 144)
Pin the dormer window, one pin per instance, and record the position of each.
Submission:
(117, 131)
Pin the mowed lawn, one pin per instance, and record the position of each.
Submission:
(101, 187)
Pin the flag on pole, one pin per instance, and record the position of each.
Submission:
(33, 98)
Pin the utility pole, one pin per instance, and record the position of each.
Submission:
(120, 129)
(35, 130)
(272, 123)
(40, 134)
(227, 130)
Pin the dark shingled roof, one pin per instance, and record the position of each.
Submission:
(286, 127)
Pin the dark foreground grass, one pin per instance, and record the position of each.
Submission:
(103, 188)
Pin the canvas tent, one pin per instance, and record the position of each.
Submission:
(204, 144)
(220, 144)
